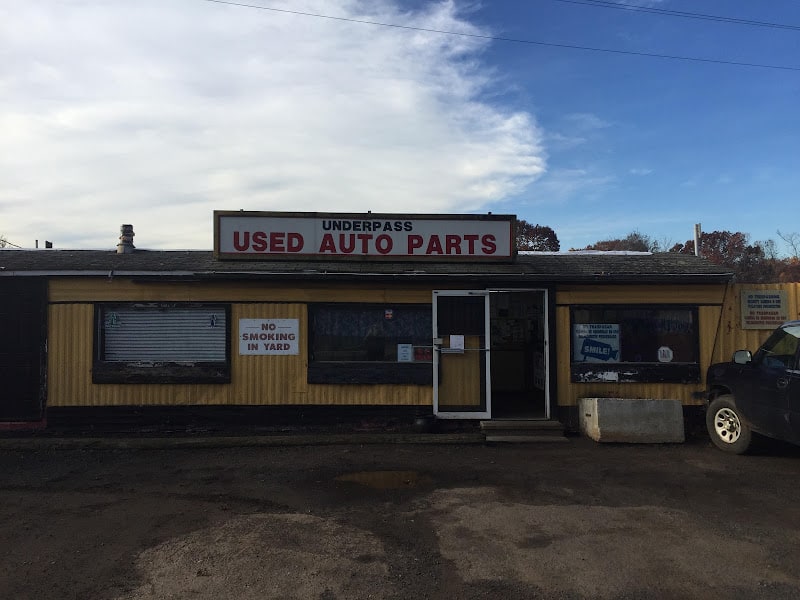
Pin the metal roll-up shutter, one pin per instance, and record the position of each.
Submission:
(165, 334)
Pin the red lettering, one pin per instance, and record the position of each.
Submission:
(295, 242)
(414, 242)
(364, 237)
(489, 246)
(453, 244)
(434, 245)
(277, 241)
(259, 241)
(327, 244)
(346, 247)
(239, 244)
(383, 244)
(471, 238)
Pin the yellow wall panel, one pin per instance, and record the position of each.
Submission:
(460, 384)
(638, 294)
(731, 335)
(126, 290)
(255, 380)
(569, 393)
(69, 354)
(375, 395)
(278, 380)
(268, 379)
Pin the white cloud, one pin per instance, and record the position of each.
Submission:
(586, 121)
(574, 130)
(157, 113)
(561, 141)
(641, 172)
(563, 185)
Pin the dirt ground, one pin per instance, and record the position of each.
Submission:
(570, 520)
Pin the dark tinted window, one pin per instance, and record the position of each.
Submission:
(635, 334)
(780, 350)
(366, 332)
(370, 343)
(635, 343)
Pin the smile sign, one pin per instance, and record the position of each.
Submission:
(264, 235)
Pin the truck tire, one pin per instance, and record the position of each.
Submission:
(728, 430)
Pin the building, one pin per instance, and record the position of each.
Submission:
(406, 326)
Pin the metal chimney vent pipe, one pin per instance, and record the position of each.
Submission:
(125, 245)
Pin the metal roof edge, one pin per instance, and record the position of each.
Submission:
(418, 275)
(109, 273)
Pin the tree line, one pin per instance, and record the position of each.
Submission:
(756, 262)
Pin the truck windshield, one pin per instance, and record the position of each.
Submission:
(780, 349)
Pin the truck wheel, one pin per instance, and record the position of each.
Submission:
(726, 427)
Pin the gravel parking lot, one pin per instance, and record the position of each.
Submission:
(570, 520)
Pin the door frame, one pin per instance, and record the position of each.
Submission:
(437, 343)
(547, 346)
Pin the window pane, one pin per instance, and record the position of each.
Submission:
(363, 332)
(636, 335)
(780, 350)
(463, 315)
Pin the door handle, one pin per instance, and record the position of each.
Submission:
(461, 350)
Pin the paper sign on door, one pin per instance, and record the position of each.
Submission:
(457, 343)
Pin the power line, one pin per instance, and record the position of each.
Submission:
(511, 40)
(681, 13)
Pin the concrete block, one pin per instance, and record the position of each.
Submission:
(648, 421)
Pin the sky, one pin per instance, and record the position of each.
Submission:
(156, 113)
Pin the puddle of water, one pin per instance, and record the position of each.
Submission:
(384, 480)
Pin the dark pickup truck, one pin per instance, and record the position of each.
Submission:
(757, 394)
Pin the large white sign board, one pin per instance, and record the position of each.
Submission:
(396, 237)
(764, 309)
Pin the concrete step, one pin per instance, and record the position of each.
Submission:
(547, 439)
(522, 424)
(523, 430)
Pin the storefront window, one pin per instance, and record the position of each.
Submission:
(161, 343)
(370, 343)
(635, 344)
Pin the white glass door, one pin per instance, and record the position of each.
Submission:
(461, 374)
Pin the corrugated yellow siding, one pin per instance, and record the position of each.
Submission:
(710, 299)
(113, 289)
(731, 335)
(265, 380)
(70, 347)
(380, 395)
(268, 379)
(69, 354)
(461, 376)
(255, 380)
(640, 294)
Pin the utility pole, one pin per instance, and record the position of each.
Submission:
(698, 232)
